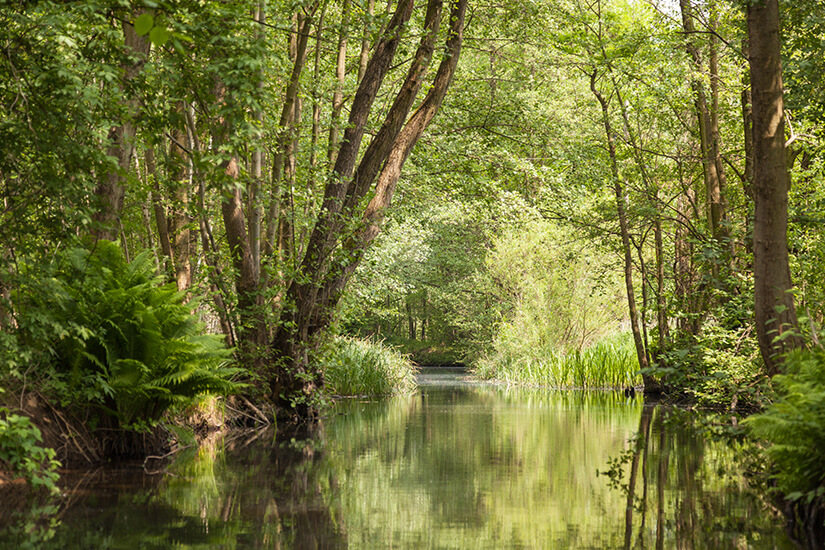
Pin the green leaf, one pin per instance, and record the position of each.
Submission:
(144, 23)
(159, 35)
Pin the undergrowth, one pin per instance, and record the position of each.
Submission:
(117, 339)
(793, 427)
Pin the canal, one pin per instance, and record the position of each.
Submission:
(458, 464)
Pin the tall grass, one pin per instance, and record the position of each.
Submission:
(609, 363)
(364, 366)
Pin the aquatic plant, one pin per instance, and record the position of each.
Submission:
(364, 366)
(609, 363)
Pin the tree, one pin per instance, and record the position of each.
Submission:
(776, 321)
(331, 256)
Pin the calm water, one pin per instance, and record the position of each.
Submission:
(457, 465)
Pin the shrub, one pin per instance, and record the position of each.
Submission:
(120, 339)
(720, 368)
(22, 454)
(794, 426)
(355, 366)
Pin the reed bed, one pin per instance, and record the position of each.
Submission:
(365, 366)
(608, 363)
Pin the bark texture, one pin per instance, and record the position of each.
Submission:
(110, 192)
(773, 300)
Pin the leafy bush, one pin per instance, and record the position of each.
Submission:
(794, 426)
(354, 366)
(720, 368)
(22, 455)
(118, 338)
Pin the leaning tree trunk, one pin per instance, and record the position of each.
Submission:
(773, 300)
(314, 298)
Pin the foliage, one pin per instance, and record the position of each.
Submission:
(424, 284)
(54, 118)
(364, 366)
(719, 368)
(794, 426)
(557, 292)
(22, 454)
(119, 339)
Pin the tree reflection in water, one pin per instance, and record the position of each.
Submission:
(462, 466)
(685, 490)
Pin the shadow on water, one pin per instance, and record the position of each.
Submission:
(457, 465)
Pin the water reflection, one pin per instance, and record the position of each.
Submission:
(458, 465)
(683, 491)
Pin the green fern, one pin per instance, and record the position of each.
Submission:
(132, 345)
(794, 426)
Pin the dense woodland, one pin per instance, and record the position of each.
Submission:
(521, 187)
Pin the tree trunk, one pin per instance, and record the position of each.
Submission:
(708, 120)
(399, 149)
(649, 382)
(253, 196)
(110, 192)
(747, 128)
(252, 326)
(279, 222)
(315, 298)
(773, 300)
(363, 58)
(161, 222)
(179, 178)
(338, 94)
(661, 300)
(253, 331)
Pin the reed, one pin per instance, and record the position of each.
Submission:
(609, 363)
(364, 366)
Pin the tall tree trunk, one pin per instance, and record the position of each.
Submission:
(773, 301)
(179, 178)
(316, 98)
(708, 120)
(253, 334)
(279, 222)
(618, 190)
(365, 43)
(161, 221)
(747, 128)
(252, 337)
(110, 192)
(253, 196)
(661, 301)
(338, 94)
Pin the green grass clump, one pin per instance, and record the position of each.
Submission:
(355, 366)
(609, 363)
(794, 426)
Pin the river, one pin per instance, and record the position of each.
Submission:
(457, 465)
